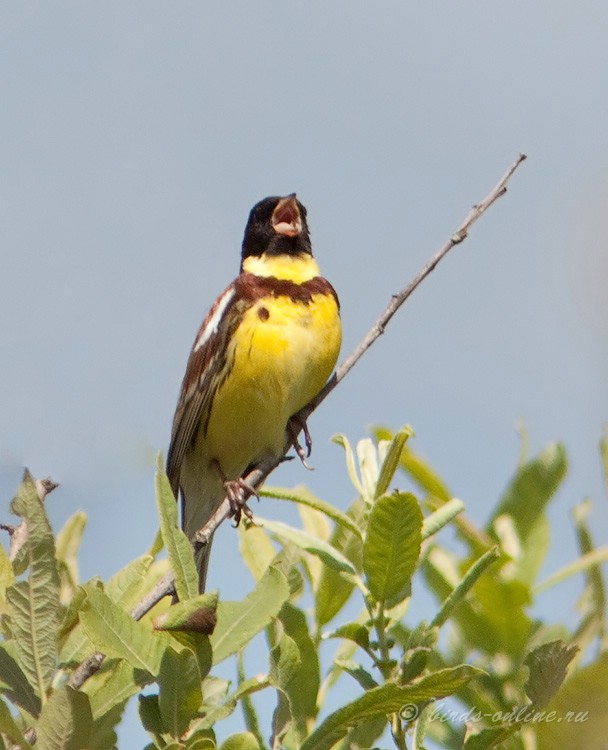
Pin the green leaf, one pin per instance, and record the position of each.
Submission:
(215, 691)
(70, 616)
(334, 589)
(594, 599)
(592, 602)
(75, 644)
(252, 722)
(197, 615)
(7, 578)
(580, 565)
(115, 633)
(65, 722)
(420, 728)
(14, 684)
(156, 546)
(548, 665)
(256, 549)
(199, 645)
(493, 617)
(180, 695)
(392, 546)
(240, 741)
(315, 522)
(530, 490)
(355, 670)
(534, 551)
(319, 526)
(288, 560)
(149, 713)
(418, 646)
(303, 692)
(238, 622)
(281, 721)
(9, 728)
(176, 542)
(303, 497)
(217, 704)
(387, 699)
(125, 587)
(418, 469)
(466, 584)
(250, 686)
(308, 543)
(367, 454)
(345, 651)
(581, 706)
(354, 631)
(35, 609)
(203, 740)
(364, 735)
(111, 688)
(284, 662)
(441, 517)
(351, 464)
(576, 716)
(391, 462)
(491, 737)
(103, 736)
(68, 544)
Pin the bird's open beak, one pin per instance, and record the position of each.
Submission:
(286, 217)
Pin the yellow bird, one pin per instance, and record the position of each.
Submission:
(265, 349)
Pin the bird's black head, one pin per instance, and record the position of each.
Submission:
(277, 226)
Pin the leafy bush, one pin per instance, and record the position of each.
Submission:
(73, 655)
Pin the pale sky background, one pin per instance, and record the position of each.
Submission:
(136, 136)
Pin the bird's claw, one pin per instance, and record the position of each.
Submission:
(238, 491)
(294, 426)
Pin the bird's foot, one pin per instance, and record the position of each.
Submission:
(294, 426)
(238, 491)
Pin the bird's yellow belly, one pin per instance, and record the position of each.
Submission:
(279, 359)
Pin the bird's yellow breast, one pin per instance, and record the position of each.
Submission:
(279, 357)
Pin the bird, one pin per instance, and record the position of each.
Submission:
(265, 349)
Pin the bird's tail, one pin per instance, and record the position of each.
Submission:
(201, 558)
(200, 499)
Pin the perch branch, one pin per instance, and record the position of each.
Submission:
(166, 587)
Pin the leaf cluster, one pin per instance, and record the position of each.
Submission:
(72, 654)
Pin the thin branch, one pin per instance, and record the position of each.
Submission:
(398, 299)
(166, 587)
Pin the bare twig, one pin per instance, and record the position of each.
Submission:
(398, 299)
(166, 587)
(86, 669)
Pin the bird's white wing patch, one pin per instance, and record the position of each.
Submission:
(215, 319)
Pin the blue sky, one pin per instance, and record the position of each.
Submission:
(135, 137)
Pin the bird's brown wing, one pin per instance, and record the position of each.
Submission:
(206, 369)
